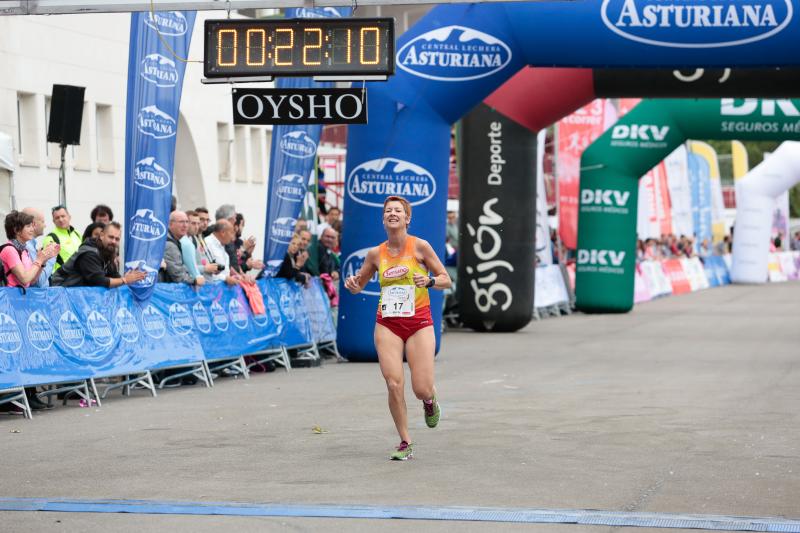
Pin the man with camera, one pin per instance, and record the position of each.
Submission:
(222, 235)
(176, 271)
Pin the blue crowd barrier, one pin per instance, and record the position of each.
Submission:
(716, 271)
(59, 335)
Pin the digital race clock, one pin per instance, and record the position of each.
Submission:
(299, 47)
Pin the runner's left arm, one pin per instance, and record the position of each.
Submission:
(440, 276)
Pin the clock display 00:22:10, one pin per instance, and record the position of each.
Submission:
(308, 48)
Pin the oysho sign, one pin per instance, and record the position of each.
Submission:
(454, 53)
(300, 106)
(697, 23)
(371, 182)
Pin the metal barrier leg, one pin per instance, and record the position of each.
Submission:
(94, 395)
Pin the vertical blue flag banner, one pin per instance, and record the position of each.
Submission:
(292, 156)
(700, 182)
(155, 81)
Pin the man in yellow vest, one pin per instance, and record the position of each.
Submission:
(63, 234)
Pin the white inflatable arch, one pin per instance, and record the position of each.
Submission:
(755, 203)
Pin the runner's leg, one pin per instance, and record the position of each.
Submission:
(390, 356)
(420, 348)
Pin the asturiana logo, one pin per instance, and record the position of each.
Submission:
(10, 336)
(274, 312)
(150, 175)
(145, 226)
(238, 314)
(298, 144)
(696, 23)
(40, 332)
(141, 264)
(153, 322)
(218, 317)
(291, 187)
(317, 13)
(201, 318)
(127, 326)
(155, 123)
(371, 182)
(159, 70)
(282, 229)
(70, 329)
(180, 319)
(171, 23)
(99, 328)
(287, 304)
(352, 265)
(454, 53)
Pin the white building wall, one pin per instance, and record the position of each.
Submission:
(91, 51)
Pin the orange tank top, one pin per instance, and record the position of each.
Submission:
(400, 270)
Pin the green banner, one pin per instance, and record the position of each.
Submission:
(611, 168)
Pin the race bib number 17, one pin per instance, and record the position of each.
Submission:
(397, 301)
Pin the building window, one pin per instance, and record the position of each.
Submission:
(82, 153)
(104, 132)
(257, 155)
(224, 151)
(27, 129)
(52, 151)
(240, 148)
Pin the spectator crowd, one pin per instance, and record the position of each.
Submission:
(197, 251)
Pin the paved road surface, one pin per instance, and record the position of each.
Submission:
(686, 405)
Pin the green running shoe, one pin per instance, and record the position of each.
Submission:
(432, 412)
(404, 452)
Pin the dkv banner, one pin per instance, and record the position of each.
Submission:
(292, 156)
(155, 81)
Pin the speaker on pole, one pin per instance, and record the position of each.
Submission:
(66, 113)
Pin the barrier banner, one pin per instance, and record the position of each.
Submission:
(319, 313)
(658, 283)
(641, 292)
(169, 336)
(155, 81)
(716, 271)
(284, 302)
(677, 277)
(695, 273)
(774, 271)
(789, 264)
(550, 287)
(293, 154)
(498, 196)
(10, 341)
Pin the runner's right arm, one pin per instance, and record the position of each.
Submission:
(356, 283)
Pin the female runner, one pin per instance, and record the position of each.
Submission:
(404, 315)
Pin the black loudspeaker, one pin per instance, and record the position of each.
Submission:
(66, 113)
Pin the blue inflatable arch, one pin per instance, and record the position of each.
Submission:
(459, 54)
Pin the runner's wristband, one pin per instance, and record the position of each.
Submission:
(431, 283)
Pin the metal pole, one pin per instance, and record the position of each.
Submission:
(11, 190)
(62, 179)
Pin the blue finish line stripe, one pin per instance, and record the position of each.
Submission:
(475, 514)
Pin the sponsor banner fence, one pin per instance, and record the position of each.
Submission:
(155, 81)
(550, 287)
(59, 335)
